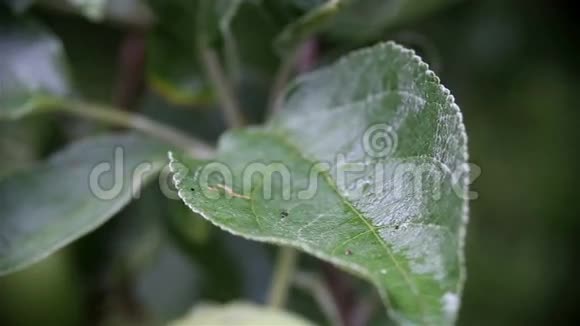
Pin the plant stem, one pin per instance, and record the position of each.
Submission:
(307, 25)
(283, 274)
(216, 74)
(311, 283)
(303, 60)
(282, 76)
(195, 148)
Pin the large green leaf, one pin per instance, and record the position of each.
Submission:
(74, 192)
(398, 222)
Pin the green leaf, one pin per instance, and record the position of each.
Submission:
(46, 208)
(399, 221)
(31, 66)
(243, 313)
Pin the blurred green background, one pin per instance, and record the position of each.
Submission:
(513, 69)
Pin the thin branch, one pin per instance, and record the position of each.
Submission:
(131, 70)
(321, 293)
(192, 146)
(231, 52)
(216, 74)
(282, 76)
(312, 22)
(284, 270)
(303, 60)
(363, 310)
(342, 290)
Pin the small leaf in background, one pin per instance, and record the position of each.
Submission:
(167, 286)
(74, 192)
(240, 31)
(354, 20)
(93, 9)
(217, 253)
(361, 20)
(49, 293)
(19, 5)
(173, 68)
(94, 82)
(241, 314)
(129, 12)
(31, 65)
(23, 142)
(396, 126)
(307, 25)
(133, 266)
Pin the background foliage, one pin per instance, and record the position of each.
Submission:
(512, 67)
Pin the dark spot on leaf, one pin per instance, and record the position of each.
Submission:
(348, 252)
(396, 227)
(284, 214)
(191, 189)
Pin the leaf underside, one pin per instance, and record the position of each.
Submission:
(406, 238)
